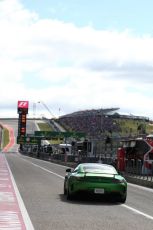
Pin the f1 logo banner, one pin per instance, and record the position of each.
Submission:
(23, 104)
(23, 107)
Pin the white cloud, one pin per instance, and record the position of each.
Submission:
(72, 68)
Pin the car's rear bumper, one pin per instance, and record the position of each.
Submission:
(89, 188)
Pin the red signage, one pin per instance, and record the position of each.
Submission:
(23, 104)
(23, 107)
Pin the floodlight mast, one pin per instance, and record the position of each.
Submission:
(46, 107)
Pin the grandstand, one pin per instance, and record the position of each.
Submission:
(99, 123)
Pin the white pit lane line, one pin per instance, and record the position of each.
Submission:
(46, 170)
(137, 211)
(122, 205)
(141, 187)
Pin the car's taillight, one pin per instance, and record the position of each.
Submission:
(118, 181)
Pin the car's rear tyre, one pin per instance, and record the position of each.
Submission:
(68, 195)
(65, 191)
(122, 199)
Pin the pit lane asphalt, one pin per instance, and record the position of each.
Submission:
(40, 184)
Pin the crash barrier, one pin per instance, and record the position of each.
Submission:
(138, 168)
(67, 158)
(71, 158)
(136, 173)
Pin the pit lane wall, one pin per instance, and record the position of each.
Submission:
(145, 181)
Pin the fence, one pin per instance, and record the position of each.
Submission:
(136, 168)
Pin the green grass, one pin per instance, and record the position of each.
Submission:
(130, 126)
(44, 127)
(5, 137)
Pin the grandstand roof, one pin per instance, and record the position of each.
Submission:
(107, 111)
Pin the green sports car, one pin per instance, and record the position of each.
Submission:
(97, 179)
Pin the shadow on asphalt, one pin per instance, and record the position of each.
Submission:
(88, 200)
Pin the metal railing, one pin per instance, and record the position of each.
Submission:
(136, 169)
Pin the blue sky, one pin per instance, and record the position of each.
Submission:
(135, 15)
(75, 55)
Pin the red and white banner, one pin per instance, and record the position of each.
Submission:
(23, 104)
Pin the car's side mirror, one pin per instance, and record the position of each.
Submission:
(68, 170)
